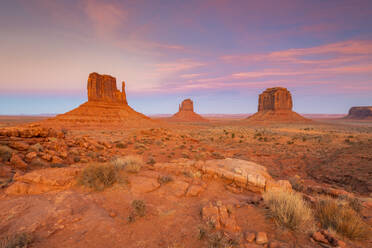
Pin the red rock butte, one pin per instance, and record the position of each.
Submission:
(106, 106)
(186, 113)
(275, 105)
(360, 112)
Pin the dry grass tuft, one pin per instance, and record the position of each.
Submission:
(342, 218)
(289, 209)
(19, 240)
(98, 176)
(129, 163)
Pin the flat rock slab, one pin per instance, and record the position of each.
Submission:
(144, 185)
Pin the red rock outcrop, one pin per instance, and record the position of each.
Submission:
(186, 113)
(106, 106)
(275, 105)
(103, 88)
(361, 112)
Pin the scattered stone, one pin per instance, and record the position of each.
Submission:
(261, 238)
(17, 161)
(19, 145)
(250, 237)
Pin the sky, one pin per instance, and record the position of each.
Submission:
(222, 54)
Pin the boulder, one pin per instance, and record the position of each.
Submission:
(261, 238)
(219, 216)
(43, 180)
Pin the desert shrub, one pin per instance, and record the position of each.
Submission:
(5, 153)
(297, 183)
(98, 176)
(340, 217)
(165, 179)
(129, 163)
(19, 240)
(36, 148)
(121, 145)
(221, 240)
(289, 209)
(139, 207)
(151, 161)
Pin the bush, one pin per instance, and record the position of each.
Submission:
(129, 163)
(5, 153)
(139, 207)
(342, 218)
(289, 209)
(19, 240)
(98, 176)
(165, 179)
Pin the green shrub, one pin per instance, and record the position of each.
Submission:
(98, 176)
(289, 209)
(342, 218)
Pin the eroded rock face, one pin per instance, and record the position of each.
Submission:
(103, 88)
(275, 99)
(362, 112)
(186, 105)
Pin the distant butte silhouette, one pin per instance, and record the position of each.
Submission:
(360, 112)
(106, 105)
(275, 105)
(186, 113)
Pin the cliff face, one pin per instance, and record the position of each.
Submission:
(106, 106)
(103, 88)
(275, 99)
(186, 105)
(275, 105)
(361, 112)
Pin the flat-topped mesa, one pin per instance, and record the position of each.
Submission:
(275, 106)
(186, 105)
(275, 99)
(360, 112)
(103, 88)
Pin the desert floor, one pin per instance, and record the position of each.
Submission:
(326, 155)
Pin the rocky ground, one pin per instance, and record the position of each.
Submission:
(195, 184)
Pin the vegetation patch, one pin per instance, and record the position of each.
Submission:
(98, 176)
(342, 218)
(129, 163)
(289, 209)
(18, 240)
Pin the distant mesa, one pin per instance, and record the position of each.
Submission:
(106, 105)
(275, 105)
(360, 112)
(186, 113)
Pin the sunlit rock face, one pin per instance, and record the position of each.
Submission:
(275, 106)
(186, 105)
(361, 112)
(275, 99)
(103, 88)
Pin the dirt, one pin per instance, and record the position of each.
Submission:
(333, 155)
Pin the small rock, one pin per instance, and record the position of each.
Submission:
(18, 145)
(17, 161)
(250, 237)
(261, 238)
(30, 156)
(113, 214)
(317, 236)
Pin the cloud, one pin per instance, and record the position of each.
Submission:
(105, 17)
(192, 75)
(177, 66)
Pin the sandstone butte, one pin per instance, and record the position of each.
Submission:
(186, 113)
(106, 106)
(360, 112)
(275, 105)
